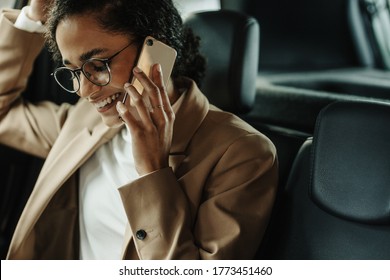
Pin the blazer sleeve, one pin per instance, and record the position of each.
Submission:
(231, 219)
(31, 128)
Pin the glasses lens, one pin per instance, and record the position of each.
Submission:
(97, 72)
(67, 79)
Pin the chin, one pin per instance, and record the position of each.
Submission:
(112, 121)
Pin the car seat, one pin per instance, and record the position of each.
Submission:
(230, 44)
(337, 201)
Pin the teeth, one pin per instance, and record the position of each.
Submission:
(107, 101)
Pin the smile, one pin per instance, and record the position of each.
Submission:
(107, 101)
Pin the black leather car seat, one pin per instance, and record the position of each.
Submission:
(230, 44)
(337, 200)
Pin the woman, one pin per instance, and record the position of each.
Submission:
(164, 176)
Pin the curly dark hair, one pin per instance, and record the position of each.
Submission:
(137, 19)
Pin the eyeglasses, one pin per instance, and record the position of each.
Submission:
(96, 70)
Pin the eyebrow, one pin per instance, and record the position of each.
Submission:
(87, 55)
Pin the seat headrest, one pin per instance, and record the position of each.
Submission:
(351, 161)
(230, 43)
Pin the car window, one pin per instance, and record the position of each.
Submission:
(7, 3)
(188, 6)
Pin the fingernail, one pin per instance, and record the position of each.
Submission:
(126, 85)
(137, 69)
(159, 67)
(120, 107)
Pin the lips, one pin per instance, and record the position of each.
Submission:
(107, 101)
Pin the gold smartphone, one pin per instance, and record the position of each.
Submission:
(154, 51)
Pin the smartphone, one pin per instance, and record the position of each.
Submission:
(154, 51)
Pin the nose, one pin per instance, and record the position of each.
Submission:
(87, 88)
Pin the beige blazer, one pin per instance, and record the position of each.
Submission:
(213, 202)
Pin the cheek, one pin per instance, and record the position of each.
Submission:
(120, 76)
(121, 69)
(76, 84)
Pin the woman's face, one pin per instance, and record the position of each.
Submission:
(79, 38)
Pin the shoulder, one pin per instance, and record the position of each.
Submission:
(227, 133)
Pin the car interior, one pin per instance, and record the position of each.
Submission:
(313, 76)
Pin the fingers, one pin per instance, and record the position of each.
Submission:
(158, 79)
(156, 95)
(38, 10)
(126, 116)
(153, 86)
(153, 106)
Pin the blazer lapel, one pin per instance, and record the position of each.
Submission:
(189, 117)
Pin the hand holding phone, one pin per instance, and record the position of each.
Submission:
(150, 117)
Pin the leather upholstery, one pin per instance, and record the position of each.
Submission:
(230, 43)
(351, 163)
(336, 202)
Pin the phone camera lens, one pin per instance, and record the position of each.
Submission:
(149, 42)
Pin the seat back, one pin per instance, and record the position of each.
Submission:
(336, 202)
(308, 35)
(230, 44)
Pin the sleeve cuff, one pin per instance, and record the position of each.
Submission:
(23, 22)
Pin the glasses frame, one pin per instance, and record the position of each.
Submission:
(76, 72)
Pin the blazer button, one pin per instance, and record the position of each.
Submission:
(140, 234)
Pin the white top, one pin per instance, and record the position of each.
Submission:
(23, 22)
(102, 216)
